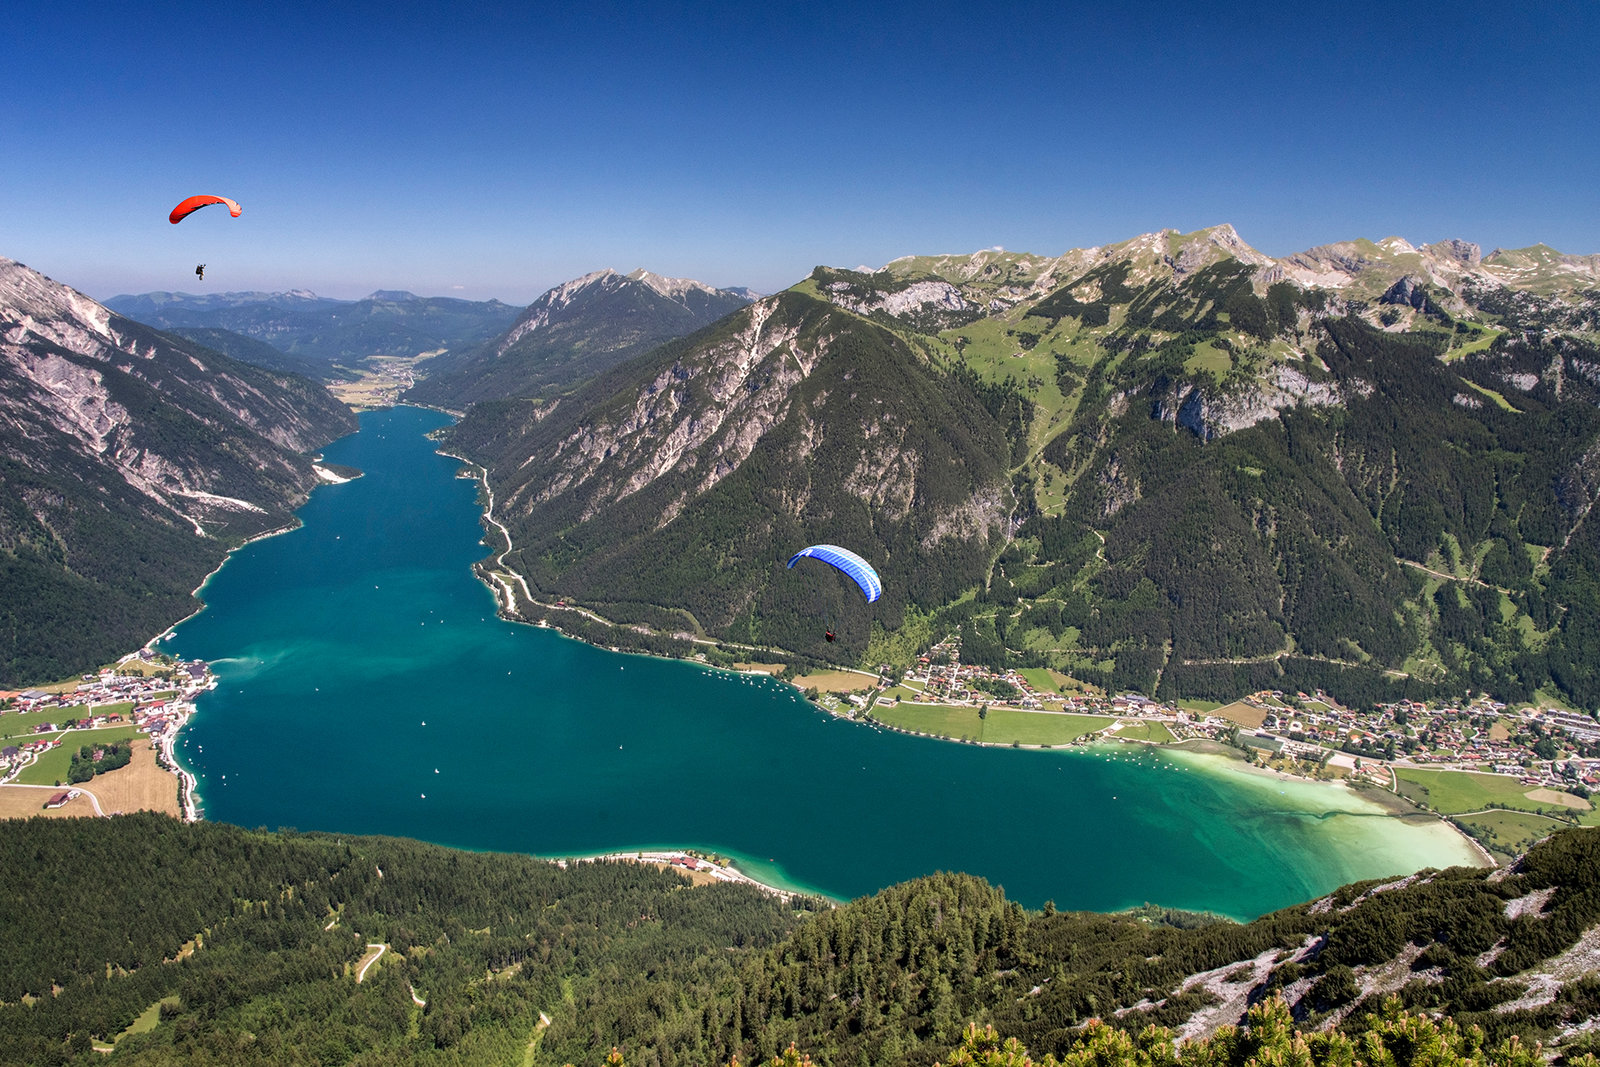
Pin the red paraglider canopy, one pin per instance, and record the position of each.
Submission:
(195, 203)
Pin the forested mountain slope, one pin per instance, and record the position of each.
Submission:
(1364, 468)
(132, 461)
(245, 946)
(687, 477)
(572, 333)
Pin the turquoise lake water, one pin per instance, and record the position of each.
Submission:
(365, 685)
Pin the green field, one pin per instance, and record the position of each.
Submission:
(1209, 359)
(1509, 833)
(1145, 730)
(1004, 726)
(53, 766)
(1041, 678)
(1453, 792)
(148, 1018)
(21, 723)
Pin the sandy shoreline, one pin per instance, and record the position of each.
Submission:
(704, 871)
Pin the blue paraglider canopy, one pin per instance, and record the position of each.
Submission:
(859, 570)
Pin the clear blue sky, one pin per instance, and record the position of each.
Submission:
(483, 151)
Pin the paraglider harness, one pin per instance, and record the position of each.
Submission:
(852, 565)
(200, 271)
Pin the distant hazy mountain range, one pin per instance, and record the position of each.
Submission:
(132, 461)
(483, 350)
(1175, 465)
(574, 332)
(332, 336)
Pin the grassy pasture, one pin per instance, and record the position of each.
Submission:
(1003, 726)
(53, 765)
(23, 802)
(1481, 343)
(140, 786)
(1509, 833)
(148, 1018)
(1209, 359)
(1454, 792)
(1498, 400)
(1043, 679)
(22, 723)
(1145, 730)
(1247, 715)
(837, 681)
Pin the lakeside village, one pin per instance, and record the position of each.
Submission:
(1307, 734)
(1546, 759)
(145, 693)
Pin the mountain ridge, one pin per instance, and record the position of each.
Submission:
(336, 335)
(572, 333)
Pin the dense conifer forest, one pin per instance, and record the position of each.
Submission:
(208, 943)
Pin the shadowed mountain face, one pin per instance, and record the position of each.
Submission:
(132, 461)
(1364, 468)
(333, 336)
(573, 333)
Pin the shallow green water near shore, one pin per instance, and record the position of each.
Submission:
(366, 686)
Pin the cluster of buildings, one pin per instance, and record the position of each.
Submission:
(942, 674)
(1540, 746)
(160, 703)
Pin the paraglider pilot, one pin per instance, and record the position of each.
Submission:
(200, 271)
(858, 569)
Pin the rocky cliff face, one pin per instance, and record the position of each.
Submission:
(1209, 412)
(120, 440)
(75, 369)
